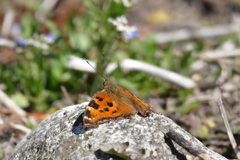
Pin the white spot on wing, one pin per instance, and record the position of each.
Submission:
(85, 117)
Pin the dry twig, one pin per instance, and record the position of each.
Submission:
(135, 65)
(45, 8)
(218, 54)
(7, 22)
(184, 34)
(10, 104)
(66, 95)
(21, 128)
(229, 131)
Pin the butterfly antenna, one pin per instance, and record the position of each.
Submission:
(96, 71)
(104, 65)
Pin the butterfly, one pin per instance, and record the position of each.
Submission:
(113, 103)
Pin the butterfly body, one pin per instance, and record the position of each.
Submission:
(113, 103)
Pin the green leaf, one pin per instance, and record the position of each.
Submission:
(188, 107)
(80, 42)
(184, 93)
(52, 26)
(204, 130)
(20, 99)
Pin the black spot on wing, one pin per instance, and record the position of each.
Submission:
(109, 104)
(93, 104)
(106, 109)
(114, 111)
(101, 111)
(87, 113)
(100, 99)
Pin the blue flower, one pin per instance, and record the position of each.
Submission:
(21, 42)
(131, 33)
(51, 37)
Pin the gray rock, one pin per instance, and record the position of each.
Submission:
(135, 138)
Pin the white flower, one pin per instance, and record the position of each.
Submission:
(37, 44)
(122, 19)
(126, 3)
(121, 23)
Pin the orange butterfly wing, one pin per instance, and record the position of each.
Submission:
(143, 108)
(113, 103)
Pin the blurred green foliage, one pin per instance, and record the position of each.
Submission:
(39, 73)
